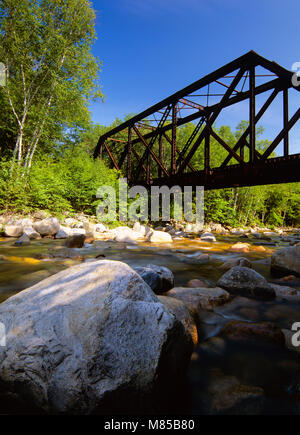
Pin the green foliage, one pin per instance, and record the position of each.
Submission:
(69, 184)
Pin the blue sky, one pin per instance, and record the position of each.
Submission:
(152, 48)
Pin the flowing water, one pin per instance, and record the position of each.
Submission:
(220, 362)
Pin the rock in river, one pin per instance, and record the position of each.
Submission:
(287, 260)
(75, 241)
(92, 335)
(13, 230)
(266, 332)
(200, 298)
(246, 282)
(159, 237)
(159, 278)
(181, 311)
(47, 227)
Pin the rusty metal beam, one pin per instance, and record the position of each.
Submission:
(151, 152)
(281, 135)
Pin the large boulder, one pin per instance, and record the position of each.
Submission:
(200, 298)
(247, 282)
(159, 237)
(13, 230)
(287, 260)
(47, 227)
(91, 337)
(159, 278)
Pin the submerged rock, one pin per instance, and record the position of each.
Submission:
(90, 336)
(266, 332)
(229, 396)
(246, 282)
(196, 283)
(287, 260)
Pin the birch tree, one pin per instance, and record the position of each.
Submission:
(51, 73)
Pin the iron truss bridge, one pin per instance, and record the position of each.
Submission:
(146, 148)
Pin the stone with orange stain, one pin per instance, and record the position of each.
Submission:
(240, 247)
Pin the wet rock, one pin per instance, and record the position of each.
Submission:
(240, 247)
(247, 282)
(256, 235)
(208, 237)
(282, 291)
(287, 260)
(229, 396)
(13, 230)
(92, 335)
(31, 233)
(197, 258)
(23, 241)
(196, 283)
(159, 278)
(165, 274)
(239, 261)
(47, 227)
(217, 228)
(265, 332)
(159, 237)
(183, 314)
(75, 241)
(258, 248)
(200, 298)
